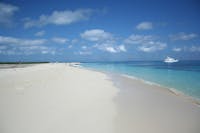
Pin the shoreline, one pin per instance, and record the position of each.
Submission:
(151, 108)
(155, 107)
(173, 91)
(60, 97)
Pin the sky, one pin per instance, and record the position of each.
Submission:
(99, 30)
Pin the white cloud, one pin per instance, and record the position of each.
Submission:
(96, 35)
(84, 47)
(32, 42)
(115, 49)
(85, 52)
(194, 49)
(17, 41)
(177, 49)
(139, 39)
(110, 49)
(60, 40)
(74, 41)
(183, 36)
(147, 43)
(36, 49)
(17, 46)
(103, 40)
(6, 13)
(122, 48)
(27, 50)
(144, 26)
(152, 48)
(60, 18)
(40, 33)
(44, 52)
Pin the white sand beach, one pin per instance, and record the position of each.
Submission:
(58, 98)
(55, 98)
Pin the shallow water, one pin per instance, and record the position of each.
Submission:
(182, 76)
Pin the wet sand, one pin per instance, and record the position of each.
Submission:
(145, 108)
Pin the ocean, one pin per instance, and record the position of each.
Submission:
(182, 76)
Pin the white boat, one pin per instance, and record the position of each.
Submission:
(75, 64)
(170, 60)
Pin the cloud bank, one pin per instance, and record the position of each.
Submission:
(6, 13)
(59, 18)
(103, 40)
(60, 40)
(17, 41)
(96, 35)
(145, 43)
(17, 46)
(183, 36)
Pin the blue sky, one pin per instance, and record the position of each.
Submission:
(58, 30)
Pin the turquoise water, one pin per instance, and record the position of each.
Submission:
(183, 76)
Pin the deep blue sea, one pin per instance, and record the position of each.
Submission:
(183, 76)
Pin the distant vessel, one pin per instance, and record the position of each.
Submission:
(75, 64)
(170, 60)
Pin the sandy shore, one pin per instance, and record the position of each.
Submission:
(55, 98)
(58, 98)
(145, 108)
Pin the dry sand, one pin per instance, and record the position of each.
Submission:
(58, 98)
(55, 98)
